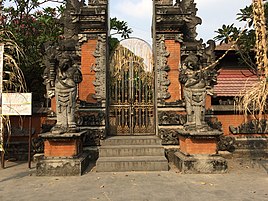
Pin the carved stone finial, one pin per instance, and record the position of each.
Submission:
(164, 2)
(95, 2)
(70, 19)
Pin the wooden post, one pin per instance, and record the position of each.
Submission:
(1, 117)
(3, 154)
(30, 142)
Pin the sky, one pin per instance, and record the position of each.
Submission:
(214, 13)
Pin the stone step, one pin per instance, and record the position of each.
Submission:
(132, 140)
(131, 153)
(138, 163)
(131, 150)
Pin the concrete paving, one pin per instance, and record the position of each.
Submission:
(245, 181)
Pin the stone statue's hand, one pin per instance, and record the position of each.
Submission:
(50, 93)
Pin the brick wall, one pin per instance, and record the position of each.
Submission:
(67, 148)
(197, 146)
(173, 61)
(231, 120)
(208, 101)
(86, 87)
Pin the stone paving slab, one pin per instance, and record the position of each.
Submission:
(245, 181)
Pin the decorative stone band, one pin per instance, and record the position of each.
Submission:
(62, 136)
(200, 135)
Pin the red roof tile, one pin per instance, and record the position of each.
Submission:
(232, 82)
(225, 47)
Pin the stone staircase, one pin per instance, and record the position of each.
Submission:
(131, 153)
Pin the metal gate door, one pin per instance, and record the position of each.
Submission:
(131, 89)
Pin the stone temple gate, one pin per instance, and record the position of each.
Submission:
(134, 91)
(161, 111)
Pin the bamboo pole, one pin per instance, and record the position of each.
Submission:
(261, 51)
(260, 31)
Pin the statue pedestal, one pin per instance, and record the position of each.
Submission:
(63, 155)
(198, 152)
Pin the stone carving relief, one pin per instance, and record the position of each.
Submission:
(93, 137)
(252, 143)
(208, 56)
(38, 145)
(171, 118)
(162, 68)
(70, 19)
(251, 127)
(97, 2)
(226, 143)
(214, 123)
(100, 68)
(164, 2)
(169, 136)
(91, 119)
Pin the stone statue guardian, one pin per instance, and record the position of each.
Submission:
(65, 77)
(196, 82)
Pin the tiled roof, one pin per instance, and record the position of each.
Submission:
(225, 47)
(232, 82)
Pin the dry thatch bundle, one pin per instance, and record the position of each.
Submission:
(254, 100)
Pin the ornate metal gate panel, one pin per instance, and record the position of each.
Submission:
(131, 89)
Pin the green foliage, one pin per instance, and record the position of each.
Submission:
(245, 38)
(118, 28)
(31, 26)
(227, 33)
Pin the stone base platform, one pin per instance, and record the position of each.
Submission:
(57, 166)
(194, 164)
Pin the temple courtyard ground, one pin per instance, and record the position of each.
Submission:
(246, 180)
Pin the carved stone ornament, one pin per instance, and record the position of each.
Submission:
(70, 19)
(93, 19)
(226, 143)
(214, 123)
(169, 136)
(91, 119)
(251, 127)
(96, 2)
(38, 145)
(162, 68)
(93, 137)
(100, 68)
(171, 118)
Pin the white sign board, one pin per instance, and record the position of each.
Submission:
(16, 104)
